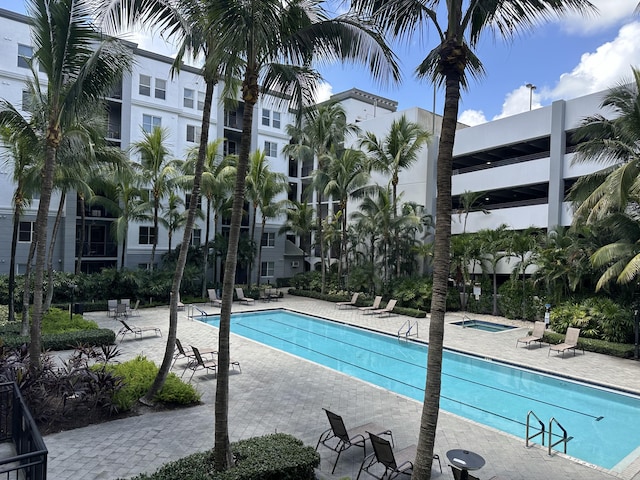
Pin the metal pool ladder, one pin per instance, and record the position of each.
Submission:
(408, 329)
(564, 438)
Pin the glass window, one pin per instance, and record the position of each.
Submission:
(268, 239)
(270, 149)
(161, 88)
(149, 122)
(189, 96)
(200, 101)
(267, 269)
(196, 235)
(26, 231)
(193, 133)
(187, 202)
(26, 100)
(146, 236)
(276, 120)
(25, 53)
(145, 85)
(266, 117)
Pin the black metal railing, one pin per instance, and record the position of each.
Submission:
(17, 425)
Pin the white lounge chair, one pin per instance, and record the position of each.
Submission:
(570, 342)
(242, 298)
(351, 303)
(536, 335)
(375, 306)
(388, 310)
(213, 298)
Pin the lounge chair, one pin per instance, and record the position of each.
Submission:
(394, 463)
(112, 305)
(536, 335)
(200, 364)
(213, 298)
(242, 298)
(135, 331)
(133, 312)
(272, 293)
(351, 303)
(386, 310)
(570, 342)
(337, 438)
(375, 306)
(187, 352)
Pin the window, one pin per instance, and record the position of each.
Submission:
(161, 89)
(187, 202)
(200, 101)
(26, 100)
(271, 149)
(26, 231)
(266, 117)
(196, 236)
(149, 122)
(230, 147)
(267, 269)
(268, 239)
(25, 53)
(189, 96)
(276, 120)
(193, 133)
(146, 236)
(145, 85)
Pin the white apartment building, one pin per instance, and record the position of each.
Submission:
(148, 96)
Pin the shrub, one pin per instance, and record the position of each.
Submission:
(272, 457)
(510, 300)
(59, 341)
(138, 375)
(59, 321)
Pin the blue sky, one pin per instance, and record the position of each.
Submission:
(564, 59)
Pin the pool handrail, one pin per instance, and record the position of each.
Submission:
(564, 439)
(409, 326)
(531, 437)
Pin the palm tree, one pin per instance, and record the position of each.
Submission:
(470, 202)
(262, 187)
(323, 129)
(450, 63)
(173, 217)
(159, 170)
(347, 176)
(614, 143)
(522, 245)
(493, 251)
(300, 222)
(81, 66)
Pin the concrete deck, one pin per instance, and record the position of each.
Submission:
(278, 392)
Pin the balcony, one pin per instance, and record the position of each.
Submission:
(29, 454)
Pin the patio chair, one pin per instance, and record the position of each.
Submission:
(121, 311)
(394, 463)
(213, 298)
(337, 438)
(135, 331)
(200, 364)
(351, 303)
(570, 342)
(375, 306)
(187, 352)
(388, 310)
(273, 294)
(458, 474)
(536, 335)
(133, 312)
(242, 298)
(126, 302)
(112, 305)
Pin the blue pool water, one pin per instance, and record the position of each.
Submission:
(605, 425)
(485, 326)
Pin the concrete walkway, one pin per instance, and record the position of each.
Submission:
(278, 392)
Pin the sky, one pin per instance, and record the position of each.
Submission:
(564, 59)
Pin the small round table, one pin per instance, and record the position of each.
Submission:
(465, 461)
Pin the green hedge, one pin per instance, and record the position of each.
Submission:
(63, 341)
(272, 457)
(621, 350)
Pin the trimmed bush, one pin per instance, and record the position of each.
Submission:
(61, 341)
(272, 457)
(138, 375)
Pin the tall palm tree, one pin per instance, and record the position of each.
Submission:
(492, 245)
(470, 202)
(323, 128)
(173, 217)
(460, 26)
(81, 66)
(347, 175)
(159, 170)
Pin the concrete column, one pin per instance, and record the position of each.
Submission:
(556, 163)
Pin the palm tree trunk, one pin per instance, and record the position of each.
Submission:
(53, 140)
(254, 214)
(259, 262)
(83, 223)
(222, 452)
(431, 406)
(205, 254)
(495, 291)
(52, 245)
(156, 205)
(167, 359)
(12, 262)
(26, 294)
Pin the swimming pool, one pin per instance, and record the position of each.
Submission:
(604, 424)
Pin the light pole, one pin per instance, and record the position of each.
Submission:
(531, 88)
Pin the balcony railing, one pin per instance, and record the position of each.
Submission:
(17, 426)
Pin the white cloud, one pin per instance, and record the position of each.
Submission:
(472, 117)
(610, 13)
(602, 69)
(520, 100)
(323, 92)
